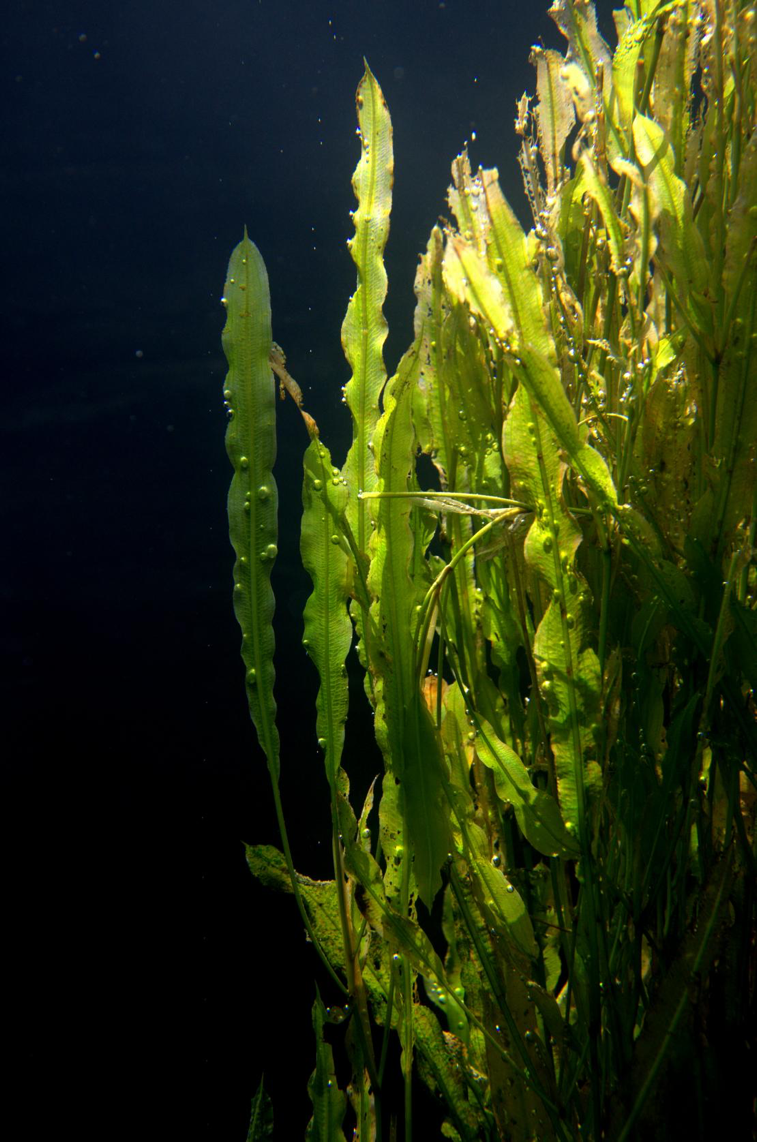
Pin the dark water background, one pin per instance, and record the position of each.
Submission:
(151, 978)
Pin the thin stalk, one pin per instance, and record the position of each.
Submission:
(739, 397)
(658, 38)
(354, 982)
(526, 1074)
(296, 888)
(604, 607)
(407, 987)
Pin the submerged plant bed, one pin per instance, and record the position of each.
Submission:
(558, 637)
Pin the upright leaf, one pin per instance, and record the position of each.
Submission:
(329, 1102)
(364, 329)
(328, 630)
(554, 112)
(566, 666)
(253, 499)
(261, 1116)
(404, 729)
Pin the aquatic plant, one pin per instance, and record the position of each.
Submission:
(558, 636)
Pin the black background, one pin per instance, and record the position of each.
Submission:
(152, 981)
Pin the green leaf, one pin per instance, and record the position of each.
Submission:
(624, 69)
(554, 112)
(364, 329)
(268, 865)
(674, 996)
(442, 1065)
(681, 246)
(597, 188)
(404, 729)
(261, 1116)
(328, 629)
(253, 499)
(425, 804)
(402, 934)
(744, 639)
(507, 905)
(567, 668)
(536, 811)
(329, 1102)
(513, 311)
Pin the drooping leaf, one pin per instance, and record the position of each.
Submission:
(507, 906)
(514, 313)
(268, 865)
(537, 813)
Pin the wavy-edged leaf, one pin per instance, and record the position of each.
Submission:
(673, 89)
(442, 1065)
(681, 249)
(364, 329)
(403, 935)
(624, 68)
(554, 112)
(578, 23)
(253, 499)
(404, 729)
(513, 311)
(329, 1102)
(261, 1116)
(507, 905)
(267, 864)
(597, 188)
(536, 811)
(567, 668)
(511, 259)
(328, 628)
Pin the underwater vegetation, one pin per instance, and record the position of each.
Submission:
(558, 638)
